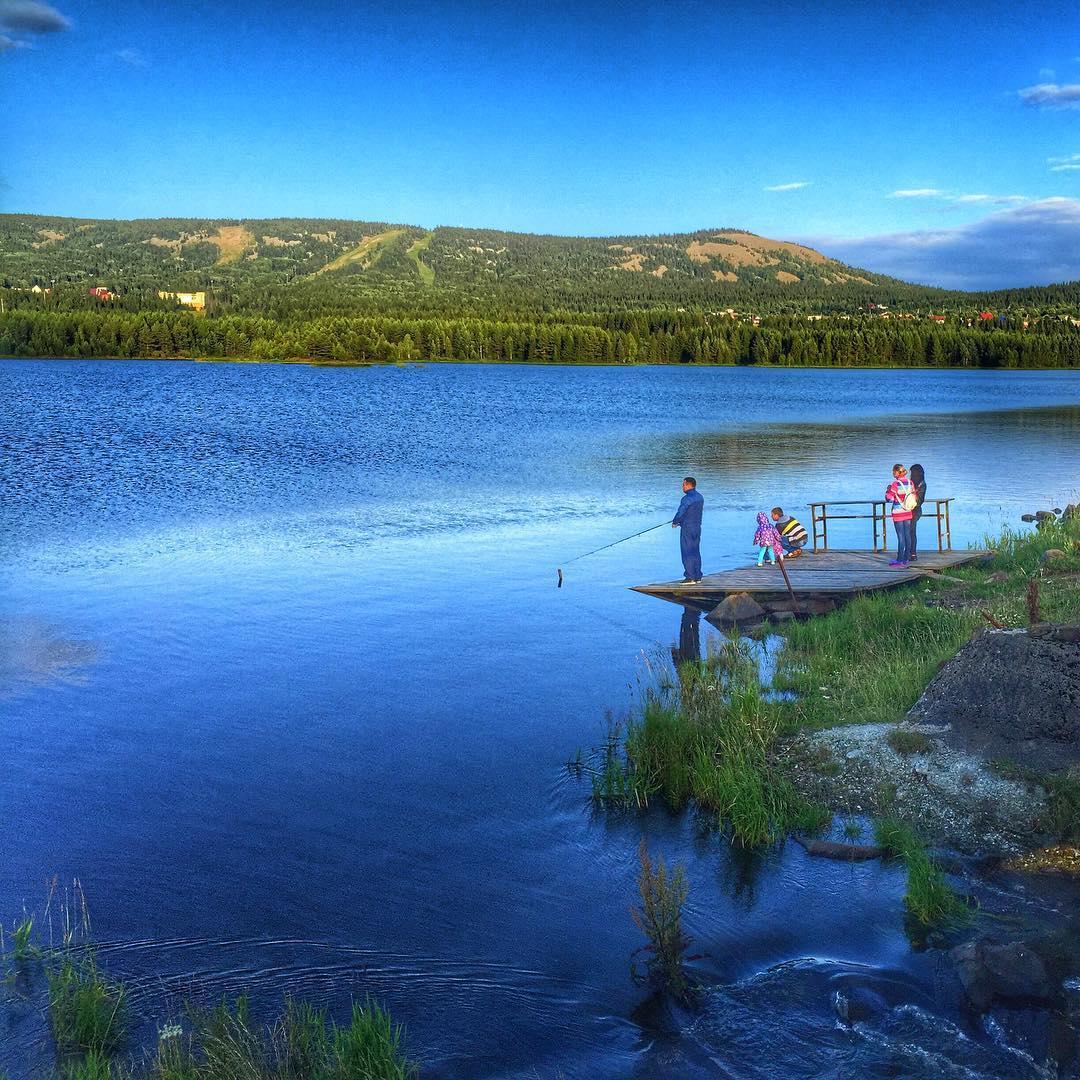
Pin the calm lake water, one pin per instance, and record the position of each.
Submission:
(286, 682)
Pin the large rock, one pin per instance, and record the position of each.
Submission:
(738, 608)
(1070, 511)
(1029, 518)
(1051, 555)
(1012, 972)
(1044, 515)
(856, 1003)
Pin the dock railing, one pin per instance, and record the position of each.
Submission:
(821, 513)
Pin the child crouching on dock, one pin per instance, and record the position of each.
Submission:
(767, 540)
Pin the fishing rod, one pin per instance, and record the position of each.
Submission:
(650, 529)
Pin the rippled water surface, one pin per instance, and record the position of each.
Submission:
(286, 682)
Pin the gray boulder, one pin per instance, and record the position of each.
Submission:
(1011, 972)
(738, 608)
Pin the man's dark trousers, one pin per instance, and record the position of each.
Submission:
(690, 546)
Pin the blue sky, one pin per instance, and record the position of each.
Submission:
(941, 140)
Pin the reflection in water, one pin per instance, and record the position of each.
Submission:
(827, 460)
(688, 649)
(33, 653)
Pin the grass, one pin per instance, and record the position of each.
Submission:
(869, 661)
(22, 947)
(368, 251)
(86, 1008)
(94, 1066)
(908, 742)
(659, 917)
(1061, 818)
(929, 898)
(304, 1044)
(427, 274)
(705, 736)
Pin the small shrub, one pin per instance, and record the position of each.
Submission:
(86, 1008)
(660, 919)
(905, 742)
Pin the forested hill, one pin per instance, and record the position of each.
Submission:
(356, 291)
(242, 255)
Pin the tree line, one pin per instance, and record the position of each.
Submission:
(649, 336)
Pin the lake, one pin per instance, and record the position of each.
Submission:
(286, 683)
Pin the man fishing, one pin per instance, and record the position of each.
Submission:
(688, 520)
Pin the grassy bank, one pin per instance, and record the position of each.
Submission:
(706, 735)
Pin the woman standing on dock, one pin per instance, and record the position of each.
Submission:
(901, 494)
(918, 478)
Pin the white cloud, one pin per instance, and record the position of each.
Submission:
(996, 200)
(794, 186)
(7, 43)
(1049, 95)
(31, 16)
(958, 198)
(1068, 163)
(131, 57)
(1035, 244)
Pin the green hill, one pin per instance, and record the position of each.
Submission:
(177, 253)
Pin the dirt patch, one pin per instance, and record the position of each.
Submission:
(276, 241)
(763, 243)
(231, 241)
(724, 275)
(631, 262)
(786, 278)
(49, 236)
(736, 254)
(1010, 695)
(660, 271)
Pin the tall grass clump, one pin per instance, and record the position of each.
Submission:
(86, 1008)
(304, 1044)
(94, 1066)
(659, 917)
(704, 737)
(929, 898)
(1021, 552)
(22, 948)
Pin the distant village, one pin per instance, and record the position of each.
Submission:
(196, 301)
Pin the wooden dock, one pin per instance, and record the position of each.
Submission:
(828, 575)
